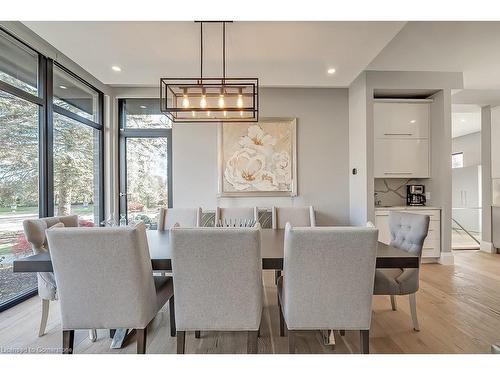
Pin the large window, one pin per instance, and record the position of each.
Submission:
(50, 154)
(145, 160)
(77, 143)
(76, 169)
(18, 189)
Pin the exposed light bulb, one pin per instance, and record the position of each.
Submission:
(185, 99)
(193, 113)
(239, 101)
(221, 101)
(225, 113)
(203, 101)
(208, 113)
(241, 113)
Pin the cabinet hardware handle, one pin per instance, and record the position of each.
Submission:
(398, 133)
(398, 173)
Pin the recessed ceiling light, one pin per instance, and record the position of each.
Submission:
(116, 68)
(63, 87)
(143, 106)
(331, 71)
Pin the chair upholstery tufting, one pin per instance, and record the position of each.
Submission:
(408, 232)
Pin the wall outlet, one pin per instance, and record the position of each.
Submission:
(427, 195)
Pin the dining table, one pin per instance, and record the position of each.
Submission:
(272, 254)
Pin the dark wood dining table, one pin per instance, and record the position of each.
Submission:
(272, 252)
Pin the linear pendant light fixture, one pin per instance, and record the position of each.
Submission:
(206, 99)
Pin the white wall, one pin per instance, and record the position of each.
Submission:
(486, 177)
(440, 182)
(358, 156)
(322, 149)
(470, 145)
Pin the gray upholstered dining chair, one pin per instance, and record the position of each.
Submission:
(34, 231)
(408, 232)
(185, 217)
(328, 281)
(296, 216)
(236, 214)
(218, 281)
(105, 280)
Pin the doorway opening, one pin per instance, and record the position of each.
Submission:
(466, 177)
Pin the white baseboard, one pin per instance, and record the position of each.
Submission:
(487, 247)
(447, 259)
(429, 260)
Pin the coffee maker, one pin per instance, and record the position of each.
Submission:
(415, 195)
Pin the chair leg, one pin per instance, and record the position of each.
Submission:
(93, 335)
(141, 334)
(291, 342)
(45, 316)
(282, 320)
(413, 309)
(68, 341)
(252, 342)
(393, 303)
(364, 337)
(197, 334)
(171, 308)
(181, 341)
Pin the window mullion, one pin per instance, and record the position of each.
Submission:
(49, 98)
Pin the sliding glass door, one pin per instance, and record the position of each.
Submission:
(145, 160)
(50, 154)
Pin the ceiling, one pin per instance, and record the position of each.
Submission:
(468, 47)
(465, 119)
(278, 53)
(479, 97)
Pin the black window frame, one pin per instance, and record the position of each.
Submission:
(123, 134)
(44, 100)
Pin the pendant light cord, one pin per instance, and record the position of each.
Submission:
(201, 52)
(223, 52)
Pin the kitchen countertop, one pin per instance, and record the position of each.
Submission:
(400, 208)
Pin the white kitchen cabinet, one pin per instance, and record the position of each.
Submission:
(432, 243)
(402, 139)
(401, 120)
(401, 158)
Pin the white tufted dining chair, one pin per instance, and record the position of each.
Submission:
(408, 232)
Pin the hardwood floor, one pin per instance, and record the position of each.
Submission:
(458, 308)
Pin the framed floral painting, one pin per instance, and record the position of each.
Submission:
(258, 159)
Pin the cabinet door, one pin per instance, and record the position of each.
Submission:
(401, 158)
(401, 120)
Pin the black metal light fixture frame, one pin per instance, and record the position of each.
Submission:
(244, 91)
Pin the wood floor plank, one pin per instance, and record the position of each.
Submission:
(458, 309)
